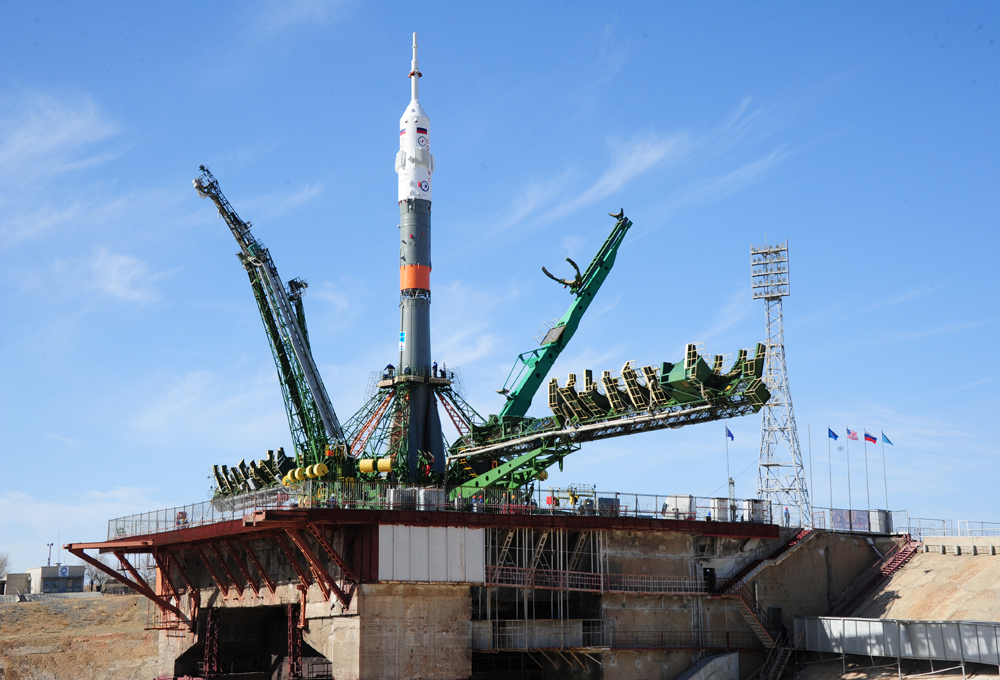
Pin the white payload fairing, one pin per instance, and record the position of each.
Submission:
(414, 171)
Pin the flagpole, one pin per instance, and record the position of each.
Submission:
(730, 488)
(884, 480)
(829, 462)
(867, 487)
(850, 502)
(811, 487)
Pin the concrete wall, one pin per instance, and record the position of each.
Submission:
(653, 664)
(809, 579)
(718, 667)
(413, 631)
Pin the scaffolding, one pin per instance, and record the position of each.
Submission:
(780, 479)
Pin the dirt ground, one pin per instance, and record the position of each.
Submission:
(861, 668)
(87, 639)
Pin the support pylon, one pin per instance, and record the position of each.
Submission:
(781, 478)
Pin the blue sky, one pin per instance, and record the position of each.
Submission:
(132, 356)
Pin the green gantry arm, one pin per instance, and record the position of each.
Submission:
(535, 364)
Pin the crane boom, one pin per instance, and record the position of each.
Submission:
(535, 364)
(312, 419)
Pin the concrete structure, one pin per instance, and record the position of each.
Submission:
(935, 587)
(472, 594)
(718, 667)
(58, 579)
(15, 584)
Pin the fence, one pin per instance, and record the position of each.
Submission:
(386, 496)
(510, 635)
(552, 579)
(541, 634)
(684, 639)
(573, 501)
(962, 641)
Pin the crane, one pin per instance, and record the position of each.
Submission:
(316, 432)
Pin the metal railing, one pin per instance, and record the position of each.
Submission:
(523, 577)
(386, 496)
(683, 639)
(504, 635)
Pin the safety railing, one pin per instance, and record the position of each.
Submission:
(684, 639)
(506, 635)
(523, 577)
(386, 496)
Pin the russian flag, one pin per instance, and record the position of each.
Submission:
(871, 438)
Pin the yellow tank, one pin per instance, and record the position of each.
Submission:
(299, 473)
(367, 465)
(385, 464)
(321, 469)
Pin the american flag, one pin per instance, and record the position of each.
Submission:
(851, 434)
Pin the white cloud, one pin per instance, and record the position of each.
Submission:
(280, 15)
(629, 159)
(76, 517)
(124, 277)
(278, 202)
(224, 411)
(45, 136)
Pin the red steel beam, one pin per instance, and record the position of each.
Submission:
(321, 574)
(257, 565)
(303, 577)
(134, 585)
(194, 594)
(211, 570)
(132, 570)
(242, 567)
(323, 579)
(317, 532)
(225, 568)
(163, 567)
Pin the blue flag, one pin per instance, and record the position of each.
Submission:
(732, 438)
(831, 434)
(886, 440)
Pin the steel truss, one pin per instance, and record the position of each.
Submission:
(781, 478)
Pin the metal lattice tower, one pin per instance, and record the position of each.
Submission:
(781, 479)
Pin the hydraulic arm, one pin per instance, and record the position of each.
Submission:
(535, 364)
(313, 422)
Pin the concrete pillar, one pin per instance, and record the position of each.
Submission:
(944, 549)
(993, 549)
(958, 550)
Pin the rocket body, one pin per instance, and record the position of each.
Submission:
(414, 170)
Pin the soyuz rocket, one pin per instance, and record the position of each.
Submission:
(414, 169)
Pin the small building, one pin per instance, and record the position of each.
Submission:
(14, 584)
(58, 579)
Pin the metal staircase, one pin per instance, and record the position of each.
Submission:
(775, 664)
(755, 616)
(874, 576)
(758, 560)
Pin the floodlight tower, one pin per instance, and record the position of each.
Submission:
(780, 477)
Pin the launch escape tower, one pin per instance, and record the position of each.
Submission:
(780, 477)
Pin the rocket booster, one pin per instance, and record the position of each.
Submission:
(414, 169)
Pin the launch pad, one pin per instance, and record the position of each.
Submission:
(379, 549)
